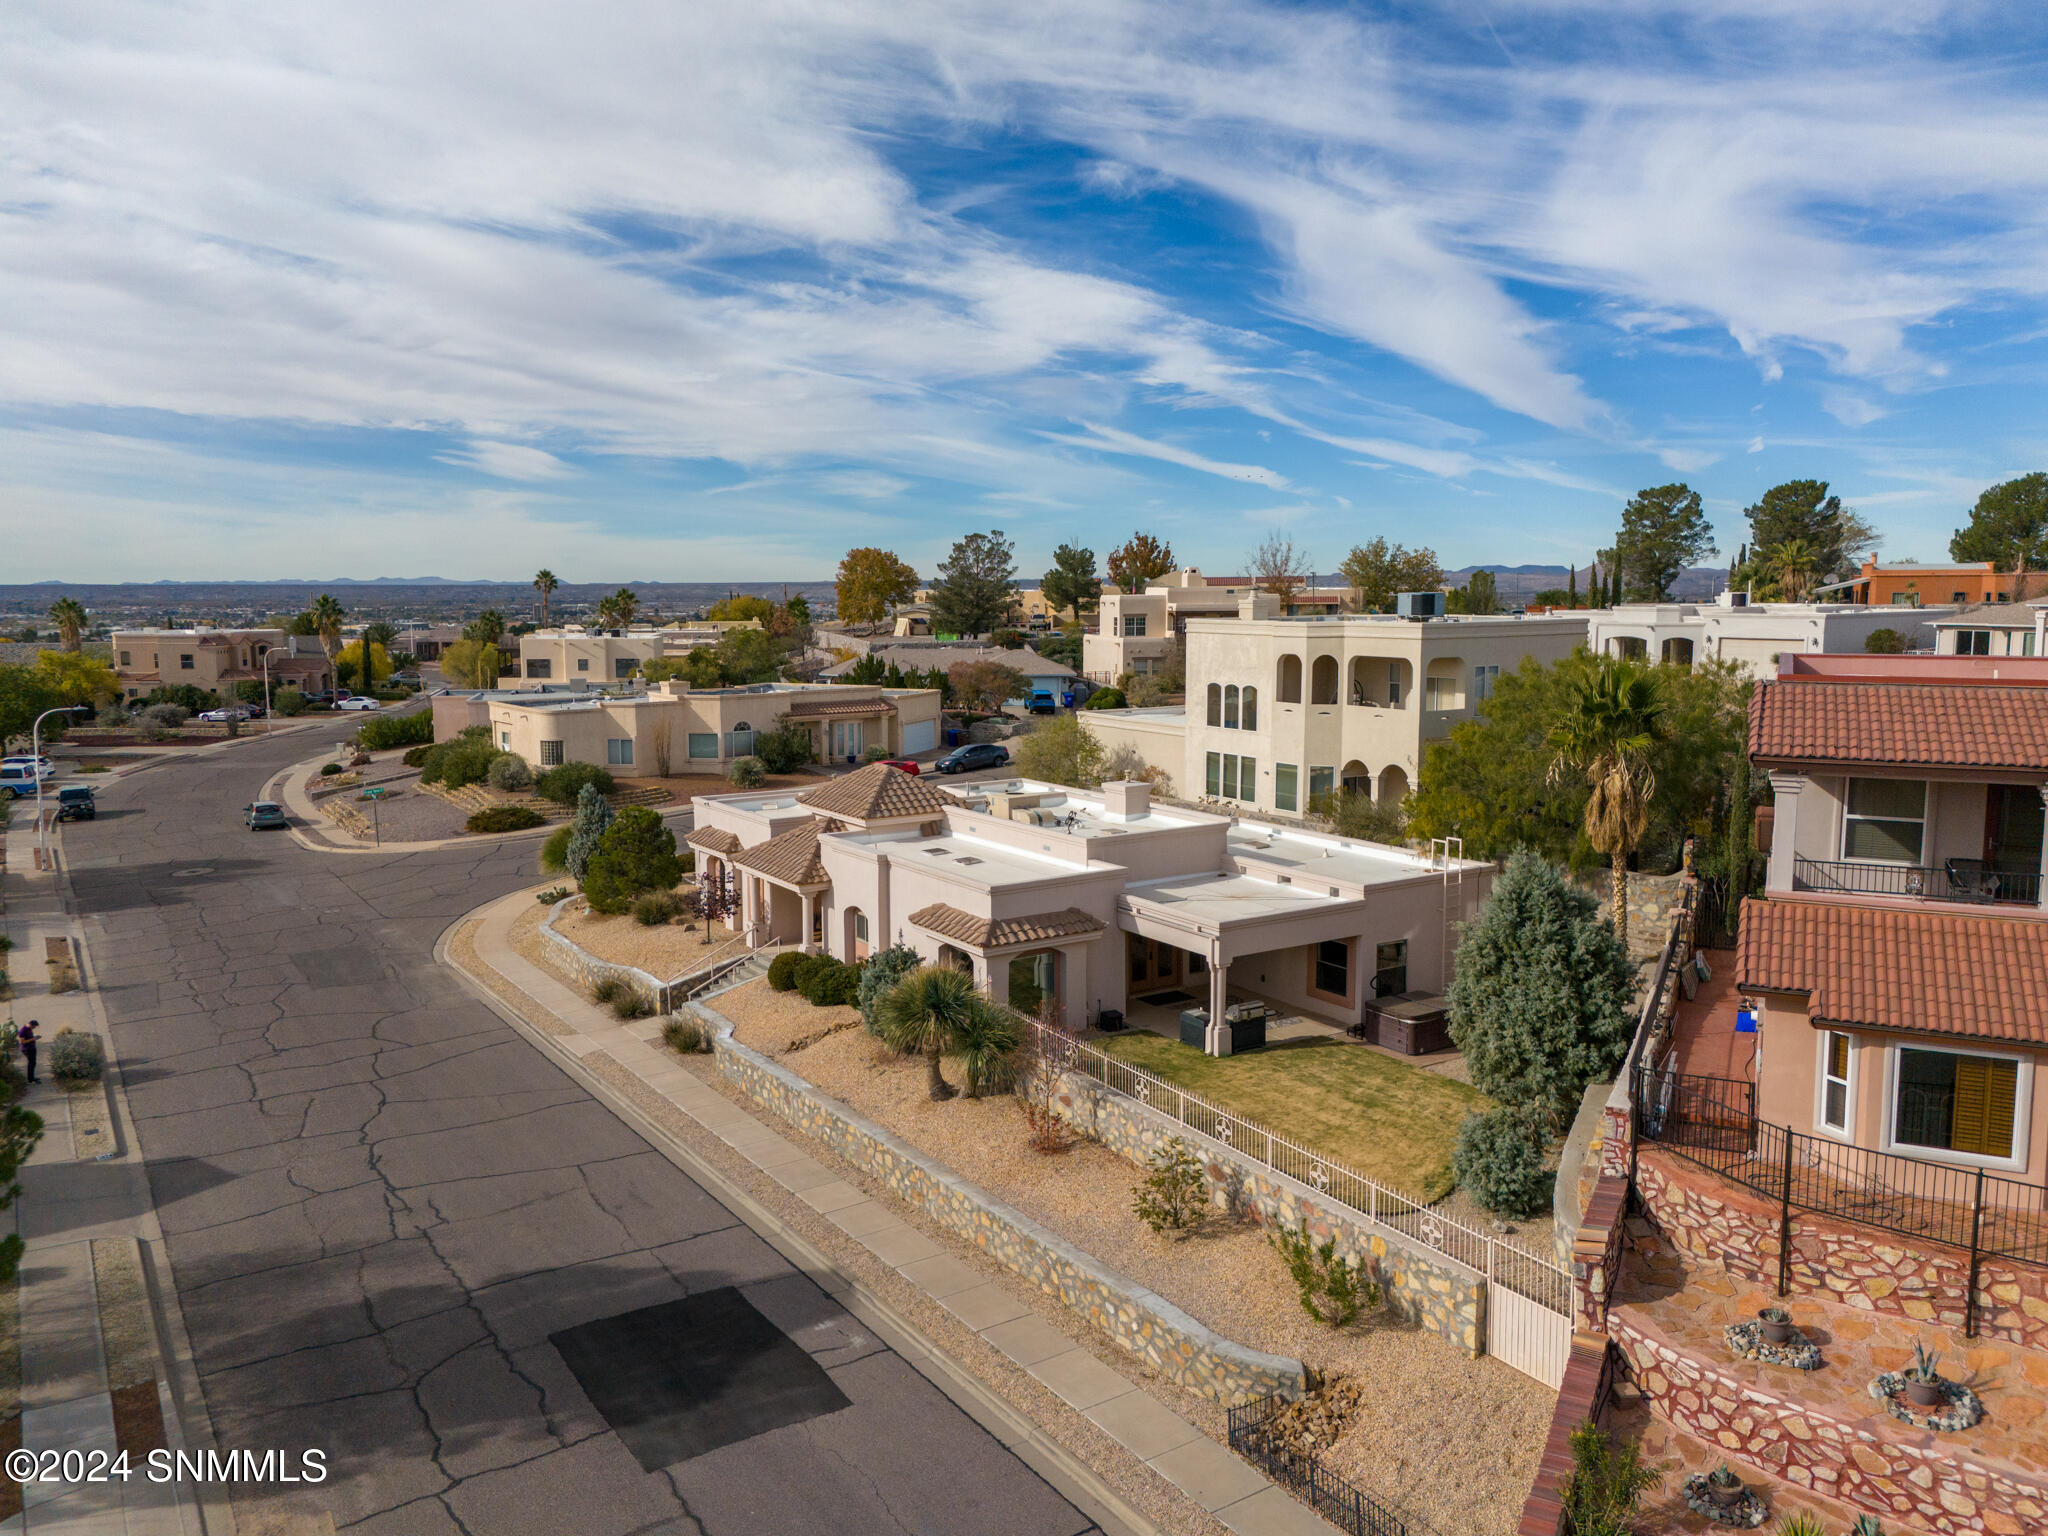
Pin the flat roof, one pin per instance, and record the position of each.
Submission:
(1088, 809)
(1344, 861)
(965, 857)
(1219, 898)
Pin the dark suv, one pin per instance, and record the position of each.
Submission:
(75, 803)
(976, 754)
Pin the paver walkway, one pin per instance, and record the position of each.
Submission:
(1239, 1495)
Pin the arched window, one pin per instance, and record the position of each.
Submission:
(1325, 680)
(1290, 679)
(1230, 708)
(1215, 703)
(1250, 716)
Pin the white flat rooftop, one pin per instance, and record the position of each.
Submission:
(992, 865)
(1085, 808)
(1344, 861)
(1220, 898)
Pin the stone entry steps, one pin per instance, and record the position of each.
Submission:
(1820, 1431)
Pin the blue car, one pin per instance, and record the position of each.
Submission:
(980, 754)
(264, 813)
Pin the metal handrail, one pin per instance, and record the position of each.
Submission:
(1926, 882)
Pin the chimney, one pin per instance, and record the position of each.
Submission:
(1127, 799)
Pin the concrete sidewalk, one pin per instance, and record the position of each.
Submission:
(92, 1375)
(1212, 1476)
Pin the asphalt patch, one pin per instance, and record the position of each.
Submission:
(679, 1380)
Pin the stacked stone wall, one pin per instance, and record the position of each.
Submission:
(1159, 1334)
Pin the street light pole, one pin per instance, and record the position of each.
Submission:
(269, 720)
(35, 764)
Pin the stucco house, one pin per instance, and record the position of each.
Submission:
(1749, 635)
(1081, 901)
(218, 659)
(1897, 966)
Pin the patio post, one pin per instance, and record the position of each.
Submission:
(1219, 993)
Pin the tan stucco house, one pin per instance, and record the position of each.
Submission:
(217, 659)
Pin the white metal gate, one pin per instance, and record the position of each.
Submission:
(1528, 1314)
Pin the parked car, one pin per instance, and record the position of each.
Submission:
(229, 712)
(75, 803)
(264, 813)
(43, 766)
(406, 679)
(906, 764)
(357, 701)
(976, 754)
(20, 779)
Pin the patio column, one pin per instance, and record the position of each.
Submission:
(750, 909)
(809, 902)
(1218, 1032)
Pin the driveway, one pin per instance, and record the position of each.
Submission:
(401, 1236)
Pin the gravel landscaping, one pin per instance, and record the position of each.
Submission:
(667, 950)
(1451, 1439)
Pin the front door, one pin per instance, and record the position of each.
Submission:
(2012, 834)
(1152, 963)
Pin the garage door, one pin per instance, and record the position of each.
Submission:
(920, 736)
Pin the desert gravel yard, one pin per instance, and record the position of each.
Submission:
(1450, 1439)
(666, 950)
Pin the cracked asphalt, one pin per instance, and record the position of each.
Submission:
(379, 1201)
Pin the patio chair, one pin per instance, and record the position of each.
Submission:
(1971, 880)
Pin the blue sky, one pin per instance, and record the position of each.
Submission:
(717, 291)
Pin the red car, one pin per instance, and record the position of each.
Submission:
(907, 764)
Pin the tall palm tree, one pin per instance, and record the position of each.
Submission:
(69, 615)
(327, 615)
(927, 1011)
(626, 604)
(544, 582)
(1614, 715)
(1795, 563)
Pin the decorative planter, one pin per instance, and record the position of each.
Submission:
(1738, 1506)
(1958, 1410)
(1925, 1394)
(1776, 1330)
(1748, 1341)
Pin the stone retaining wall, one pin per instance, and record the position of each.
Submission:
(1162, 1336)
(1431, 1290)
(1712, 1221)
(1929, 1484)
(588, 969)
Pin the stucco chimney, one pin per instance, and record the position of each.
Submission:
(673, 688)
(1127, 799)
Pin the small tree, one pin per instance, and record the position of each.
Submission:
(20, 1130)
(1884, 642)
(1333, 1289)
(1279, 568)
(884, 969)
(785, 750)
(1072, 582)
(986, 686)
(1137, 562)
(1175, 1196)
(1605, 1486)
(1539, 1002)
(1499, 1162)
(637, 854)
(1061, 751)
(593, 817)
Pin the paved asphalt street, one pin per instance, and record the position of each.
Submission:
(379, 1203)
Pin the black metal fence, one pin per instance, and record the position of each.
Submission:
(1957, 880)
(1336, 1498)
(1712, 1121)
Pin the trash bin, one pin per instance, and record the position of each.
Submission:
(952, 737)
(1110, 1020)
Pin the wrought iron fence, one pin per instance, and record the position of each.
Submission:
(1335, 1497)
(1958, 880)
(1518, 1269)
(1712, 1121)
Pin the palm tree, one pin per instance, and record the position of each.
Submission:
(1613, 716)
(69, 615)
(927, 1011)
(545, 582)
(626, 604)
(1795, 563)
(327, 614)
(985, 1037)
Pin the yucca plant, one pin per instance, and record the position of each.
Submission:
(1801, 1524)
(925, 1012)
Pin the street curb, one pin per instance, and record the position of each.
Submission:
(1072, 1478)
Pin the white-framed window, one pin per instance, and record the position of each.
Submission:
(1953, 1105)
(125, 661)
(1393, 685)
(618, 751)
(551, 754)
(1884, 821)
(1483, 679)
(1215, 716)
(860, 927)
(1230, 775)
(1321, 781)
(185, 663)
(1134, 625)
(1214, 776)
(1836, 1104)
(1230, 707)
(703, 744)
(1286, 778)
(1250, 720)
(505, 741)
(1248, 778)
(1440, 693)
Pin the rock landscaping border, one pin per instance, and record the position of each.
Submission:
(1430, 1290)
(1158, 1333)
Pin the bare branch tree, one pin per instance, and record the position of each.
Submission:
(1277, 567)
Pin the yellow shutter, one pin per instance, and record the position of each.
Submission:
(1985, 1090)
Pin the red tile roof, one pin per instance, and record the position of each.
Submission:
(1946, 973)
(715, 839)
(1004, 932)
(834, 709)
(878, 792)
(1903, 725)
(788, 858)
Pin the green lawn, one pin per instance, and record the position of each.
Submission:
(1390, 1121)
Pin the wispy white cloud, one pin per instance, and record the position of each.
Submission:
(508, 461)
(1112, 440)
(1850, 408)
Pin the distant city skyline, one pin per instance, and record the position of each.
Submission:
(716, 292)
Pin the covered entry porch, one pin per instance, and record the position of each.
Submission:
(1038, 964)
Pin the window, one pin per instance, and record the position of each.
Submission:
(582, 663)
(1973, 642)
(1321, 781)
(618, 751)
(551, 754)
(1230, 775)
(1905, 599)
(1440, 693)
(185, 662)
(1251, 709)
(1834, 1081)
(1954, 1103)
(1230, 708)
(1333, 969)
(1393, 685)
(1483, 679)
(1247, 778)
(1134, 625)
(1216, 704)
(1959, 597)
(2027, 643)
(1390, 969)
(540, 666)
(125, 661)
(1214, 778)
(742, 740)
(624, 666)
(1885, 820)
(703, 744)
(1284, 777)
(505, 741)
(860, 927)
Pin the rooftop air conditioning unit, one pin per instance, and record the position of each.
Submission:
(1738, 599)
(1419, 605)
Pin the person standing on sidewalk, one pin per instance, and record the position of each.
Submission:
(26, 1039)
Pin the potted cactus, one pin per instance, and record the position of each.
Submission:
(1777, 1325)
(1724, 1487)
(1923, 1384)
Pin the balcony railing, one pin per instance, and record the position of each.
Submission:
(1968, 880)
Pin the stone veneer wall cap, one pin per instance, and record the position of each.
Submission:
(1165, 1311)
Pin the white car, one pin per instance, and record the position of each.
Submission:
(356, 701)
(42, 766)
(226, 713)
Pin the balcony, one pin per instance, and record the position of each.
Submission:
(1964, 880)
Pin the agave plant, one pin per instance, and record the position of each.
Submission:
(1801, 1524)
(1924, 1363)
(1866, 1525)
